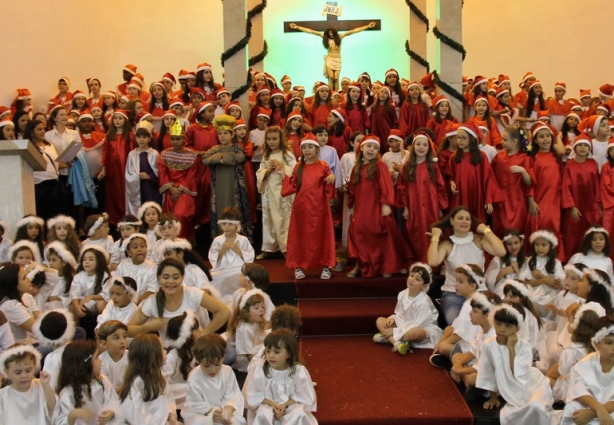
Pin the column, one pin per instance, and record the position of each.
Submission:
(256, 43)
(235, 67)
(417, 41)
(450, 23)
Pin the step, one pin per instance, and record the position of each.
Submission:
(340, 286)
(343, 316)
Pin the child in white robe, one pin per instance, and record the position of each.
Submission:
(121, 306)
(149, 214)
(282, 390)
(138, 267)
(60, 259)
(414, 322)
(25, 402)
(167, 229)
(253, 276)
(97, 229)
(595, 250)
(591, 383)
(113, 338)
(87, 294)
(505, 368)
(228, 253)
(85, 395)
(146, 397)
(128, 225)
(213, 393)
(507, 267)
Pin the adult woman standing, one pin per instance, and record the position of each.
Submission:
(173, 299)
(463, 247)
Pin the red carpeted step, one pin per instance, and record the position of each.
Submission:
(340, 286)
(343, 317)
(362, 383)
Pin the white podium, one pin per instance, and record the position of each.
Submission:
(18, 160)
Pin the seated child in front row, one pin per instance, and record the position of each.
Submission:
(96, 227)
(213, 394)
(138, 267)
(121, 306)
(505, 368)
(27, 400)
(253, 276)
(414, 321)
(113, 338)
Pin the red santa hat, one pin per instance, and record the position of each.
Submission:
(78, 93)
(502, 79)
(340, 113)
(111, 94)
(432, 147)
(202, 106)
(276, 92)
(480, 98)
(560, 86)
(540, 126)
(285, 79)
(233, 104)
(157, 83)
(585, 93)
(428, 81)
(197, 90)
(170, 113)
(370, 139)
(122, 112)
(175, 101)
(203, 66)
(66, 80)
(263, 89)
(574, 115)
(452, 129)
(4, 112)
(309, 139)
(139, 77)
(169, 77)
(85, 114)
(501, 91)
(183, 74)
(130, 68)
(6, 122)
(391, 71)
(606, 90)
(543, 115)
(582, 139)
(321, 86)
(135, 83)
(534, 83)
(472, 129)
(264, 112)
(525, 77)
(594, 121)
(396, 134)
(438, 100)
(222, 90)
(240, 123)
(479, 79)
(412, 84)
(23, 94)
(295, 114)
(465, 80)
(604, 107)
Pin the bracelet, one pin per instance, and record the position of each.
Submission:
(486, 231)
(435, 239)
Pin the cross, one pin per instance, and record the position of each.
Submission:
(333, 21)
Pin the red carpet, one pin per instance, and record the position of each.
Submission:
(362, 383)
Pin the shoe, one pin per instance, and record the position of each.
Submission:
(263, 255)
(299, 274)
(386, 275)
(325, 273)
(402, 347)
(378, 338)
(353, 274)
(473, 393)
(439, 360)
(339, 267)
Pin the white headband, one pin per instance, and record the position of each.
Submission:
(104, 217)
(26, 244)
(141, 211)
(168, 245)
(19, 349)
(34, 271)
(592, 306)
(603, 332)
(546, 234)
(67, 336)
(184, 332)
(424, 266)
(520, 287)
(31, 219)
(246, 296)
(129, 223)
(510, 236)
(508, 309)
(481, 300)
(176, 224)
(235, 222)
(479, 280)
(116, 278)
(596, 229)
(61, 219)
(95, 248)
(596, 278)
(572, 268)
(129, 239)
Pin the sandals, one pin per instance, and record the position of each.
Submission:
(299, 274)
(325, 273)
(353, 274)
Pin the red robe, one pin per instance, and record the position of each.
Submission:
(476, 185)
(494, 135)
(607, 199)
(295, 143)
(546, 192)
(580, 189)
(443, 158)
(311, 236)
(114, 158)
(382, 122)
(424, 199)
(513, 211)
(180, 170)
(276, 118)
(341, 143)
(202, 139)
(250, 177)
(373, 239)
(413, 117)
(319, 114)
(439, 128)
(358, 120)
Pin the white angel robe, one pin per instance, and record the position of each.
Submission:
(155, 412)
(463, 327)
(205, 393)
(58, 291)
(172, 373)
(28, 407)
(103, 398)
(526, 391)
(556, 334)
(280, 387)
(133, 180)
(112, 312)
(416, 312)
(225, 272)
(588, 378)
(569, 357)
(491, 273)
(145, 275)
(114, 370)
(275, 208)
(83, 285)
(593, 261)
(47, 290)
(478, 343)
(53, 363)
(249, 339)
(542, 294)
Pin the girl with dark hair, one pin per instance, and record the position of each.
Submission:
(507, 267)
(535, 102)
(414, 113)
(13, 284)
(383, 117)
(595, 250)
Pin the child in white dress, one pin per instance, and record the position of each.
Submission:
(97, 229)
(281, 390)
(167, 229)
(61, 260)
(595, 250)
(213, 394)
(113, 338)
(138, 267)
(508, 266)
(414, 322)
(121, 306)
(128, 225)
(149, 214)
(87, 295)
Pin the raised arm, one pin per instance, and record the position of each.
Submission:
(307, 30)
(355, 30)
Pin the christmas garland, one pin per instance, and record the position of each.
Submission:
(448, 88)
(415, 56)
(448, 41)
(260, 56)
(416, 11)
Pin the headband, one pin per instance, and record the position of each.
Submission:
(146, 206)
(26, 244)
(95, 248)
(479, 280)
(31, 219)
(246, 296)
(19, 349)
(118, 279)
(104, 217)
(59, 248)
(181, 244)
(546, 234)
(603, 332)
(520, 287)
(510, 236)
(572, 268)
(596, 229)
(596, 278)
(424, 266)
(235, 222)
(137, 223)
(67, 336)
(592, 306)
(61, 219)
(508, 309)
(184, 332)
(34, 271)
(176, 224)
(129, 239)
(481, 300)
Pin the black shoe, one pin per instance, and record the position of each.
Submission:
(473, 393)
(439, 360)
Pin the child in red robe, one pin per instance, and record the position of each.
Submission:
(443, 116)
(607, 192)
(322, 105)
(356, 112)
(383, 117)
(414, 112)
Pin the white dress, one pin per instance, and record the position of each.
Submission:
(280, 387)
(464, 251)
(587, 378)
(133, 179)
(463, 327)
(205, 393)
(53, 363)
(112, 369)
(103, 397)
(275, 208)
(249, 339)
(47, 290)
(526, 390)
(155, 412)
(111, 312)
(225, 272)
(491, 276)
(16, 313)
(108, 244)
(416, 312)
(568, 359)
(478, 343)
(145, 275)
(542, 294)
(593, 261)
(172, 373)
(28, 407)
(83, 285)
(152, 238)
(59, 291)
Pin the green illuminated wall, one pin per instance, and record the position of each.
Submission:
(301, 55)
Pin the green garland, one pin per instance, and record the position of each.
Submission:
(244, 88)
(448, 41)
(416, 11)
(448, 88)
(260, 56)
(415, 56)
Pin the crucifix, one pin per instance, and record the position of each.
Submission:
(329, 31)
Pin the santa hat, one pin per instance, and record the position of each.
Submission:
(606, 90)
(78, 93)
(233, 104)
(340, 113)
(585, 93)
(285, 79)
(31, 219)
(356, 86)
(276, 92)
(222, 90)
(525, 77)
(321, 86)
(183, 74)
(122, 112)
(202, 106)
(203, 66)
(85, 114)
(264, 112)
(309, 139)
(169, 77)
(170, 113)
(438, 100)
(18, 350)
(479, 79)
(428, 81)
(130, 68)
(452, 129)
(157, 83)
(535, 83)
(501, 91)
(298, 88)
(540, 126)
(594, 121)
(5, 122)
(472, 129)
(604, 107)
(135, 83)
(582, 139)
(4, 112)
(17, 246)
(396, 134)
(544, 234)
(388, 90)
(412, 84)
(150, 204)
(560, 86)
(422, 134)
(53, 105)
(263, 89)
(574, 115)
(480, 98)
(110, 94)
(197, 90)
(60, 331)
(543, 115)
(270, 78)
(502, 79)
(64, 219)
(370, 139)
(294, 114)
(189, 322)
(23, 94)
(465, 80)
(391, 71)
(65, 79)
(240, 123)
(175, 101)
